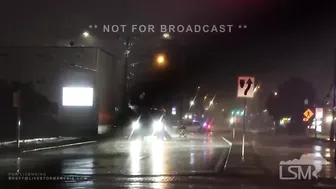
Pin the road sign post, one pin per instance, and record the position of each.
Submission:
(234, 130)
(245, 89)
(315, 122)
(244, 128)
(318, 120)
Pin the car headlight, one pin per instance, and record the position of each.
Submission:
(158, 125)
(135, 125)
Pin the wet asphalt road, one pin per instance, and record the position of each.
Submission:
(198, 153)
(192, 162)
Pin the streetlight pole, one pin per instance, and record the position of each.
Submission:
(332, 127)
(128, 45)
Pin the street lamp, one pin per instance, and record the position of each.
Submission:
(192, 103)
(86, 34)
(275, 93)
(256, 89)
(160, 59)
(166, 35)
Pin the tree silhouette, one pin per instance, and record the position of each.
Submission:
(289, 102)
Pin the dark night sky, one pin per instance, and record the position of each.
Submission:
(283, 38)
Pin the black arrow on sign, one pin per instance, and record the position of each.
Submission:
(249, 83)
(241, 83)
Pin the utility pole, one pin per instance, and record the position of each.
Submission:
(128, 45)
(332, 127)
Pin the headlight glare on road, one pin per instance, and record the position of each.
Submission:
(158, 125)
(135, 125)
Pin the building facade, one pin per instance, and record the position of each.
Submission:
(42, 73)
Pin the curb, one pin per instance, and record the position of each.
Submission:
(56, 147)
(223, 159)
(321, 139)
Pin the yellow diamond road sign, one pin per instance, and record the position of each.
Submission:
(308, 114)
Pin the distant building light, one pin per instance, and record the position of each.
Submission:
(231, 120)
(282, 122)
(329, 119)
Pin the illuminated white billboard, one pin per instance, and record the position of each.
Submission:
(77, 96)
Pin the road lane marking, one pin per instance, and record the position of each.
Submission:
(227, 159)
(226, 140)
(223, 157)
(55, 147)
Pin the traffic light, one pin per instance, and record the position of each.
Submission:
(237, 112)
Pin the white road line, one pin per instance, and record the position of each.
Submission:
(226, 140)
(222, 157)
(228, 155)
(61, 146)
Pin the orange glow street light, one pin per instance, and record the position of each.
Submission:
(160, 59)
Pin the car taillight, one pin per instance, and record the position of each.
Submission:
(209, 126)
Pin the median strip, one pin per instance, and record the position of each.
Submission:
(227, 157)
(223, 158)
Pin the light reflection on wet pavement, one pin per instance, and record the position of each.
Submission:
(314, 153)
(196, 153)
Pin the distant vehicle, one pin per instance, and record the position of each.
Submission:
(206, 126)
(192, 126)
(150, 124)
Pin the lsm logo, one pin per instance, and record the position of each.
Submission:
(301, 169)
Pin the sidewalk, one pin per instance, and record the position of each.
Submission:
(325, 137)
(9, 148)
(273, 149)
